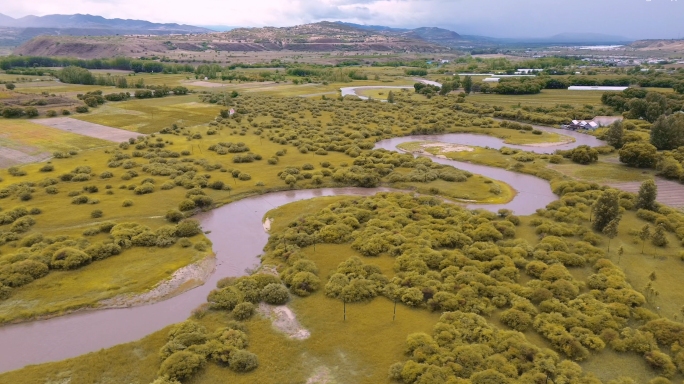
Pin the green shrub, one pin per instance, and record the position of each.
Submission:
(144, 189)
(276, 294)
(243, 361)
(103, 250)
(174, 215)
(243, 311)
(96, 214)
(31, 268)
(127, 203)
(5, 292)
(188, 228)
(31, 112)
(186, 205)
(69, 258)
(181, 365)
(225, 298)
(516, 319)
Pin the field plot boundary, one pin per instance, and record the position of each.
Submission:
(669, 192)
(88, 129)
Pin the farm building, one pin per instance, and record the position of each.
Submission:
(595, 88)
(491, 80)
(527, 71)
(577, 125)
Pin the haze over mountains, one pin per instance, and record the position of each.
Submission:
(90, 21)
(32, 34)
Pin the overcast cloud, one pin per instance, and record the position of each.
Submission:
(501, 18)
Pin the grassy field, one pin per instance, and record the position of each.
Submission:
(547, 98)
(33, 138)
(358, 350)
(607, 170)
(333, 351)
(151, 115)
(60, 217)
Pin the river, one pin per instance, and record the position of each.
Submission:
(238, 240)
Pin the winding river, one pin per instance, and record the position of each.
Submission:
(238, 239)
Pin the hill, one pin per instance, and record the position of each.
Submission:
(317, 37)
(79, 21)
(17, 31)
(433, 35)
(658, 45)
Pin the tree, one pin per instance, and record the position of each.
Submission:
(644, 235)
(616, 135)
(658, 239)
(679, 87)
(640, 155)
(606, 209)
(468, 84)
(611, 230)
(621, 251)
(647, 195)
(390, 97)
(10, 86)
(668, 132)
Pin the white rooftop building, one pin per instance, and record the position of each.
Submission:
(595, 88)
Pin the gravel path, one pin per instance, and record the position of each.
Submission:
(88, 129)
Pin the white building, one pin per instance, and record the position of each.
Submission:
(527, 71)
(595, 88)
(491, 80)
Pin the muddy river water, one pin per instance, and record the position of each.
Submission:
(238, 239)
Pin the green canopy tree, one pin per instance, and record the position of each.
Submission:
(468, 84)
(611, 230)
(616, 135)
(639, 154)
(658, 239)
(668, 132)
(644, 235)
(647, 195)
(606, 209)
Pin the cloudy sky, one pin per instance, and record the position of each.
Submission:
(501, 18)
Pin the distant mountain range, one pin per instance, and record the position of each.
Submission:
(93, 22)
(322, 36)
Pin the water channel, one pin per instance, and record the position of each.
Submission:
(238, 239)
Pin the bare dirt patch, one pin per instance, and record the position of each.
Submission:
(10, 157)
(87, 129)
(445, 147)
(568, 140)
(207, 84)
(321, 375)
(267, 224)
(182, 280)
(284, 320)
